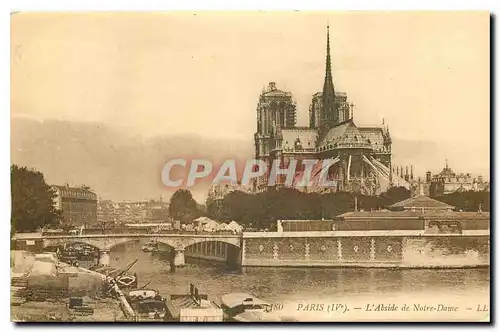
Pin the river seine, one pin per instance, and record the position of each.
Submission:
(324, 294)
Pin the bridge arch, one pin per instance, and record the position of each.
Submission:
(215, 249)
(119, 242)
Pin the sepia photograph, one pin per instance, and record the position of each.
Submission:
(250, 166)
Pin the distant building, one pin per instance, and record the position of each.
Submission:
(447, 182)
(78, 205)
(106, 212)
(147, 211)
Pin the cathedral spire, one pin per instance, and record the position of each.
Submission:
(329, 109)
(328, 68)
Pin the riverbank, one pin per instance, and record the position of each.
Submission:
(41, 288)
(105, 310)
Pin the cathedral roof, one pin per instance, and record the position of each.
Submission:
(375, 135)
(344, 134)
(337, 94)
(299, 139)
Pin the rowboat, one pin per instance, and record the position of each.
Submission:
(150, 247)
(126, 281)
(142, 294)
(150, 310)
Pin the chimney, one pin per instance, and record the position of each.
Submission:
(428, 176)
(411, 174)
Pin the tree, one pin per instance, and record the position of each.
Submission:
(182, 206)
(395, 194)
(468, 200)
(32, 201)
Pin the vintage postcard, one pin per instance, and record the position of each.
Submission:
(250, 167)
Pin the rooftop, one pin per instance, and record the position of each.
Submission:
(74, 189)
(421, 202)
(417, 213)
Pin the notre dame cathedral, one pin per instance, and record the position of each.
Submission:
(361, 155)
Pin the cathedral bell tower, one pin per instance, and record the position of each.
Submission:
(276, 110)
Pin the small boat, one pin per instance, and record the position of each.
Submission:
(127, 281)
(243, 307)
(142, 294)
(150, 310)
(192, 307)
(149, 247)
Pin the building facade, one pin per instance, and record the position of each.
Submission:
(447, 182)
(78, 205)
(361, 156)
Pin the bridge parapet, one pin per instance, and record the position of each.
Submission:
(105, 242)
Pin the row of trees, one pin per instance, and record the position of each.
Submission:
(468, 200)
(263, 209)
(183, 207)
(33, 204)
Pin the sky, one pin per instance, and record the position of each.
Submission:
(165, 73)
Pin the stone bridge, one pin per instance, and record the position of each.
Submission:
(179, 242)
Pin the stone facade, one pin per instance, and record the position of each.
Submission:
(447, 182)
(78, 205)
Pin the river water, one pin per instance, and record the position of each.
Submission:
(309, 294)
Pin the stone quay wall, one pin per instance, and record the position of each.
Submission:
(405, 249)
